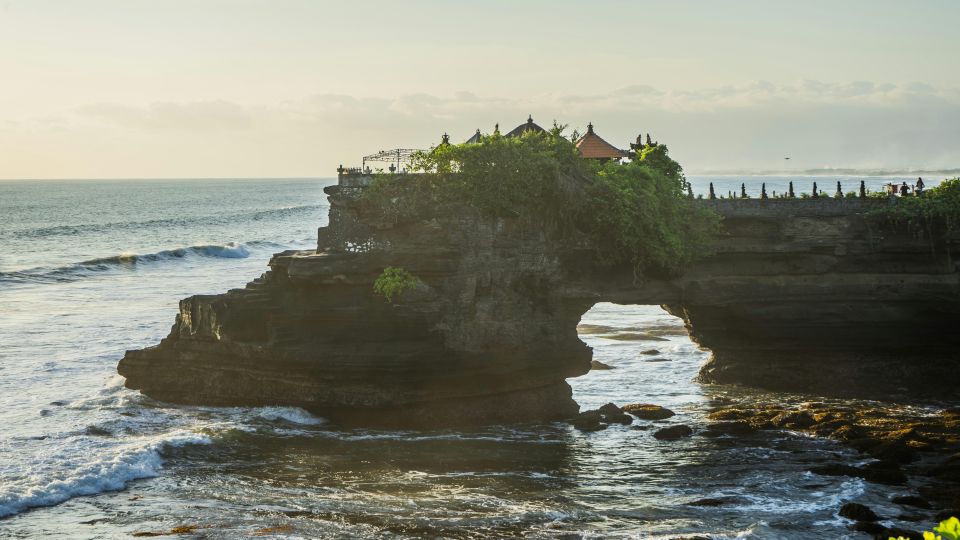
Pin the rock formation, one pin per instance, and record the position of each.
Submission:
(798, 295)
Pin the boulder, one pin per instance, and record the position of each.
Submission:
(793, 420)
(673, 433)
(596, 365)
(729, 428)
(612, 414)
(648, 411)
(858, 512)
(588, 421)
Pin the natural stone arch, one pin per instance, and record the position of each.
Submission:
(797, 295)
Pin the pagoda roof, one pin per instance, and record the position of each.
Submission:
(523, 128)
(592, 146)
(474, 139)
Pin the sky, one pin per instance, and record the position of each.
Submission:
(292, 88)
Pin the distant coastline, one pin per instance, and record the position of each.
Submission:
(828, 172)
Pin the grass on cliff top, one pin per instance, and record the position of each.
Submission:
(636, 213)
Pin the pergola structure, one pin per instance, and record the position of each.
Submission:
(394, 157)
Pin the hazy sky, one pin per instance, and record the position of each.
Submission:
(200, 88)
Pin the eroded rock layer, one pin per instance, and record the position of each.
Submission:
(799, 295)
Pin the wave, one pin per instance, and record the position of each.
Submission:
(107, 473)
(293, 415)
(218, 219)
(73, 272)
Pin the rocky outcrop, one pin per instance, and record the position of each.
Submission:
(798, 295)
(482, 338)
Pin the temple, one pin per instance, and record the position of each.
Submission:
(589, 146)
(592, 146)
(530, 125)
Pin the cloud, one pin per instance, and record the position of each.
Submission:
(193, 116)
(749, 125)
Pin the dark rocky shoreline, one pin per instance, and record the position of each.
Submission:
(916, 455)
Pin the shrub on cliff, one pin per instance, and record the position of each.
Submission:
(635, 213)
(936, 212)
(393, 281)
(638, 213)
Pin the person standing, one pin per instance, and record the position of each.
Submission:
(920, 185)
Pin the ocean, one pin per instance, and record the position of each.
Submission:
(89, 269)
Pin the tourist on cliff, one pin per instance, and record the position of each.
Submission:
(920, 186)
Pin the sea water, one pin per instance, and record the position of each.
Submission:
(89, 269)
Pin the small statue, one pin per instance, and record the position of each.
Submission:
(763, 190)
(713, 194)
(815, 192)
(863, 189)
(839, 189)
(790, 193)
(743, 191)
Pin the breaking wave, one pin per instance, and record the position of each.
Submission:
(73, 272)
(110, 472)
(191, 221)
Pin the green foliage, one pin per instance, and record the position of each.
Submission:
(500, 177)
(393, 281)
(937, 211)
(947, 530)
(636, 213)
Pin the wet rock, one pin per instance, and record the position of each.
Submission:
(848, 433)
(883, 472)
(612, 414)
(793, 420)
(715, 501)
(879, 472)
(729, 428)
(836, 469)
(650, 352)
(98, 431)
(858, 512)
(673, 433)
(182, 529)
(893, 451)
(596, 365)
(869, 527)
(648, 411)
(588, 421)
(911, 500)
(730, 414)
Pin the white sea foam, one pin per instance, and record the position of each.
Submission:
(80, 474)
(293, 415)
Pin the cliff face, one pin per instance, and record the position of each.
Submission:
(799, 295)
(483, 338)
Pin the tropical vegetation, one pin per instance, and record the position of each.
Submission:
(636, 213)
